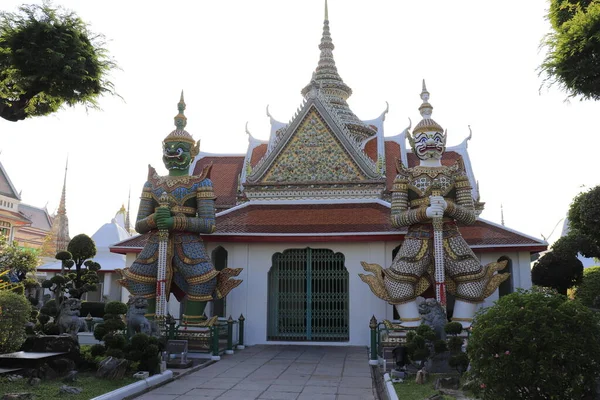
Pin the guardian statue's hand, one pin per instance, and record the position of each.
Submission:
(437, 207)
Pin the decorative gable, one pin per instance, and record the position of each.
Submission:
(313, 154)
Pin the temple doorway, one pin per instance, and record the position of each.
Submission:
(308, 296)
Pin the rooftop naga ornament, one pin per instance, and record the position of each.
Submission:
(430, 199)
(174, 210)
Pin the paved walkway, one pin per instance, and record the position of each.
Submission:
(277, 373)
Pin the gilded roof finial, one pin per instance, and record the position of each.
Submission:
(426, 109)
(180, 118)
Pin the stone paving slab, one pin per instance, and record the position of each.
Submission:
(277, 372)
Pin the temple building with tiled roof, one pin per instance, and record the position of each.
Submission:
(300, 211)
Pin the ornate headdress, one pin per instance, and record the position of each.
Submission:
(180, 134)
(427, 124)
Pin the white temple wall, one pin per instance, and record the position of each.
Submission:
(250, 298)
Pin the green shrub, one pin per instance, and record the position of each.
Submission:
(453, 328)
(589, 288)
(535, 345)
(459, 361)
(114, 341)
(115, 307)
(14, 314)
(97, 350)
(455, 344)
(116, 353)
(440, 346)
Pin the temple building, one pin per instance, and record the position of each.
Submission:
(26, 224)
(301, 210)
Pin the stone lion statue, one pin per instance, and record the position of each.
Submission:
(137, 307)
(433, 314)
(68, 317)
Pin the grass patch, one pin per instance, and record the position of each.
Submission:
(91, 386)
(413, 391)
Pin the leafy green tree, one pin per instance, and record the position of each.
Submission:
(535, 345)
(84, 278)
(574, 48)
(49, 58)
(557, 271)
(18, 260)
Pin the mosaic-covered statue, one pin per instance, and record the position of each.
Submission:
(174, 210)
(431, 198)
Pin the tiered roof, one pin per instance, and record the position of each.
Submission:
(324, 176)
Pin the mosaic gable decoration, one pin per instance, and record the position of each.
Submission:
(313, 154)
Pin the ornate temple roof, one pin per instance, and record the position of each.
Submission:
(6, 186)
(290, 221)
(327, 80)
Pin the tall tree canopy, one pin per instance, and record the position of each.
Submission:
(573, 45)
(49, 58)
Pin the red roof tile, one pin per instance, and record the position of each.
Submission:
(224, 175)
(257, 153)
(392, 155)
(371, 149)
(330, 219)
(306, 218)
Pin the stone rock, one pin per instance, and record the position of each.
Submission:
(18, 396)
(62, 365)
(71, 377)
(398, 374)
(435, 397)
(33, 381)
(439, 364)
(46, 372)
(421, 377)
(14, 378)
(64, 389)
(141, 375)
(54, 344)
(451, 382)
(112, 368)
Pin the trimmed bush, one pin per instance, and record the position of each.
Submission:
(535, 345)
(589, 288)
(115, 308)
(14, 314)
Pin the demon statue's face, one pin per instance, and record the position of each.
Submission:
(429, 145)
(177, 155)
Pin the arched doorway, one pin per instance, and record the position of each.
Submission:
(308, 296)
(219, 259)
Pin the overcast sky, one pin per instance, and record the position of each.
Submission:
(531, 151)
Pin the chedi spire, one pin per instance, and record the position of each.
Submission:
(327, 80)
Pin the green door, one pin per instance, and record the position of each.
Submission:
(308, 296)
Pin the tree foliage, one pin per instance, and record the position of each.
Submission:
(535, 345)
(85, 277)
(574, 48)
(557, 271)
(15, 311)
(18, 260)
(49, 58)
(588, 291)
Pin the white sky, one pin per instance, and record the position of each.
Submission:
(529, 148)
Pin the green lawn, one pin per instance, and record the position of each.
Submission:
(92, 387)
(410, 390)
